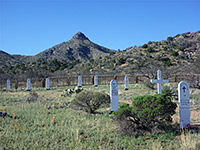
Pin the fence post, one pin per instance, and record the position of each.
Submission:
(175, 79)
(16, 84)
(136, 79)
(43, 82)
(115, 77)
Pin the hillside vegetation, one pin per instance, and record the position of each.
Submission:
(178, 54)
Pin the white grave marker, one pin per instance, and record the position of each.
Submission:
(79, 81)
(126, 82)
(95, 80)
(184, 104)
(8, 85)
(47, 84)
(159, 81)
(28, 85)
(114, 95)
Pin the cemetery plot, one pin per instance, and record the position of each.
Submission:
(48, 123)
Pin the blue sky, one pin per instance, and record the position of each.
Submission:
(28, 27)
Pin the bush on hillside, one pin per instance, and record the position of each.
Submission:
(148, 114)
(174, 53)
(90, 101)
(121, 61)
(170, 38)
(166, 62)
(145, 46)
(150, 50)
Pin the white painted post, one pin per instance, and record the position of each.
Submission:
(159, 81)
(79, 81)
(126, 82)
(95, 80)
(28, 84)
(8, 85)
(184, 104)
(47, 84)
(114, 95)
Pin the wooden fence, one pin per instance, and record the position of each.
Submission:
(193, 80)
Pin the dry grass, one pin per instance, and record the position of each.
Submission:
(36, 127)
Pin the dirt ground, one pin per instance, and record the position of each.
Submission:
(194, 116)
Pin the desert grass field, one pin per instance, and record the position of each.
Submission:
(41, 119)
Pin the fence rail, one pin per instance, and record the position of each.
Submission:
(193, 80)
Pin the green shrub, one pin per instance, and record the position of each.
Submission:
(91, 60)
(166, 61)
(174, 53)
(112, 53)
(145, 46)
(148, 114)
(33, 96)
(150, 50)
(90, 101)
(164, 48)
(121, 61)
(170, 38)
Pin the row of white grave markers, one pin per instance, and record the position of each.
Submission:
(79, 83)
(183, 94)
(29, 84)
(114, 89)
(95, 81)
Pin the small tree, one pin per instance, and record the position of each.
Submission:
(90, 101)
(148, 114)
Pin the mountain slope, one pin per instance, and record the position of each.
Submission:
(79, 47)
(178, 54)
(7, 60)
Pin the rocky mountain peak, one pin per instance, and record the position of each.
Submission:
(80, 36)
